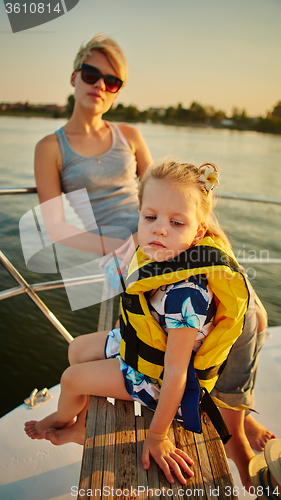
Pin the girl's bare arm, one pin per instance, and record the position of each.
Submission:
(157, 444)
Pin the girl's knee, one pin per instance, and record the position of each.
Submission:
(89, 347)
(75, 351)
(67, 378)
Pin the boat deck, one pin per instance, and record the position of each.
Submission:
(37, 470)
(112, 458)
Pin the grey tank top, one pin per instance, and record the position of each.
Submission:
(110, 180)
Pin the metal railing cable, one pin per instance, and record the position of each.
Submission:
(51, 285)
(18, 190)
(25, 287)
(31, 290)
(255, 199)
(230, 196)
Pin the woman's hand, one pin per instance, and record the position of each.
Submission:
(167, 456)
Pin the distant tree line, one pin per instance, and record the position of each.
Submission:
(196, 114)
(272, 122)
(27, 109)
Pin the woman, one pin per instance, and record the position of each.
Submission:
(89, 152)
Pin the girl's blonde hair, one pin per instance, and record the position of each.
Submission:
(110, 49)
(187, 174)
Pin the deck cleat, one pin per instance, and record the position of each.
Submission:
(36, 398)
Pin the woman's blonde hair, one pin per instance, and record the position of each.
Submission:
(110, 49)
(187, 174)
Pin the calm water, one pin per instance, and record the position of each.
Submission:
(33, 354)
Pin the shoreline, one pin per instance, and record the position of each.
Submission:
(120, 119)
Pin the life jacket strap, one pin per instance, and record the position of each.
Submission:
(195, 399)
(138, 348)
(211, 372)
(208, 405)
(190, 400)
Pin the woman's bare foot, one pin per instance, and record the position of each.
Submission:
(239, 450)
(35, 429)
(71, 434)
(256, 433)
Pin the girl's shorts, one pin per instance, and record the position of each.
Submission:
(141, 388)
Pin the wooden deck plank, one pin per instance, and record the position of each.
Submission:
(218, 461)
(109, 452)
(99, 444)
(153, 471)
(205, 466)
(186, 441)
(87, 460)
(142, 474)
(180, 442)
(125, 448)
(106, 308)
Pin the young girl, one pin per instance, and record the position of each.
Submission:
(184, 293)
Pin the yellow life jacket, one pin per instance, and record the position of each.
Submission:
(143, 342)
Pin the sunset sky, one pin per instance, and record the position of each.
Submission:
(222, 53)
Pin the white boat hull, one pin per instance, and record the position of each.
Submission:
(38, 470)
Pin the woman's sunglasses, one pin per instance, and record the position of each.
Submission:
(91, 74)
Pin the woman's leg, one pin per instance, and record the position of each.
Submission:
(98, 378)
(236, 383)
(238, 447)
(236, 386)
(257, 433)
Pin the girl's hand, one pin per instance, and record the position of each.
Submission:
(167, 456)
(127, 251)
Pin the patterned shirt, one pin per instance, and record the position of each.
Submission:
(188, 303)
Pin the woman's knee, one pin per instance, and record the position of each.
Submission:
(261, 319)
